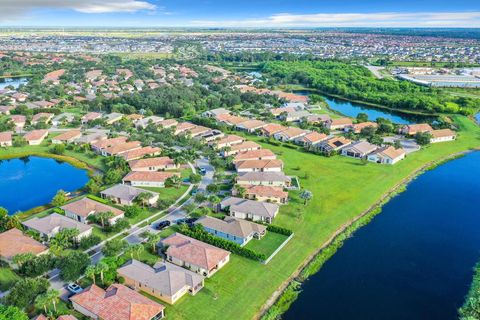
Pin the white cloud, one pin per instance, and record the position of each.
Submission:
(383, 19)
(11, 10)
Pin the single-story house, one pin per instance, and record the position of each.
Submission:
(164, 280)
(275, 165)
(357, 127)
(63, 118)
(339, 123)
(332, 144)
(274, 179)
(227, 141)
(230, 120)
(211, 135)
(19, 120)
(125, 195)
(101, 144)
(167, 123)
(6, 109)
(196, 131)
(91, 116)
(215, 112)
(265, 193)
(442, 135)
(80, 210)
(359, 149)
(147, 178)
(91, 138)
(282, 110)
(250, 209)
(35, 137)
(262, 154)
(193, 254)
(233, 229)
(113, 117)
(292, 116)
(13, 242)
(412, 129)
(290, 134)
(67, 137)
(140, 153)
(318, 119)
(134, 117)
(387, 155)
(311, 138)
(118, 302)
(120, 148)
(41, 117)
(241, 147)
(270, 129)
(143, 123)
(153, 164)
(183, 127)
(6, 139)
(250, 125)
(50, 225)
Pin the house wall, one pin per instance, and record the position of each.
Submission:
(142, 287)
(157, 184)
(251, 216)
(442, 139)
(75, 217)
(264, 183)
(266, 198)
(36, 142)
(239, 240)
(84, 311)
(6, 144)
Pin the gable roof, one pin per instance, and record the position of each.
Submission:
(391, 152)
(231, 225)
(13, 242)
(363, 147)
(35, 134)
(259, 164)
(256, 208)
(117, 303)
(5, 136)
(55, 221)
(140, 152)
(441, 133)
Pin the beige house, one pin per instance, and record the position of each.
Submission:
(125, 195)
(251, 125)
(19, 120)
(52, 224)
(412, 129)
(241, 147)
(153, 164)
(164, 280)
(67, 137)
(80, 210)
(147, 178)
(265, 193)
(261, 154)
(41, 117)
(274, 165)
(13, 242)
(227, 141)
(442, 135)
(387, 155)
(35, 137)
(194, 255)
(273, 179)
(6, 139)
(290, 134)
(339, 123)
(249, 209)
(140, 153)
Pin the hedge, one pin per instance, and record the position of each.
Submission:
(58, 210)
(280, 230)
(90, 196)
(197, 232)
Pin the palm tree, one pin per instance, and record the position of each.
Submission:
(137, 249)
(104, 216)
(21, 258)
(52, 296)
(306, 196)
(143, 198)
(175, 181)
(41, 301)
(101, 268)
(241, 191)
(91, 272)
(152, 240)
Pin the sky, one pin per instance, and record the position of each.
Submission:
(240, 14)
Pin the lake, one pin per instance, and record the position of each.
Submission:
(413, 261)
(15, 82)
(29, 182)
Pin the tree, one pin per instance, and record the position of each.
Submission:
(12, 313)
(24, 292)
(101, 268)
(397, 144)
(132, 211)
(152, 240)
(104, 217)
(306, 196)
(21, 258)
(114, 247)
(73, 264)
(65, 238)
(58, 149)
(91, 272)
(423, 138)
(173, 181)
(213, 188)
(59, 199)
(92, 187)
(42, 301)
(195, 178)
(51, 296)
(143, 198)
(362, 117)
(241, 191)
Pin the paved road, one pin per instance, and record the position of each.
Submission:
(134, 233)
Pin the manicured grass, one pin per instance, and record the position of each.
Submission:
(268, 244)
(7, 278)
(342, 188)
(169, 194)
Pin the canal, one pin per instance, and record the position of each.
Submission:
(14, 82)
(413, 261)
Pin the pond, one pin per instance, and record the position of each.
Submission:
(29, 182)
(413, 261)
(351, 109)
(14, 82)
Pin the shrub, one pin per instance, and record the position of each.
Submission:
(98, 199)
(280, 230)
(88, 242)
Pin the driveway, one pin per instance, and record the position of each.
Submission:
(409, 145)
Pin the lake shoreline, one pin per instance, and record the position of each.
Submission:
(336, 240)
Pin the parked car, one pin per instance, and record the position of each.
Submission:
(202, 171)
(74, 288)
(187, 221)
(162, 225)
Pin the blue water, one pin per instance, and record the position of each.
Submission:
(477, 117)
(413, 261)
(15, 82)
(33, 181)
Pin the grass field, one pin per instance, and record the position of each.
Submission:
(342, 188)
(268, 244)
(7, 278)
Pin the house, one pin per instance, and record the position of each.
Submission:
(140, 153)
(332, 145)
(91, 138)
(387, 155)
(359, 149)
(318, 119)
(242, 147)
(113, 117)
(125, 195)
(442, 135)
(274, 179)
(63, 118)
(197, 131)
(250, 125)
(35, 137)
(53, 77)
(270, 129)
(167, 123)
(153, 164)
(164, 280)
(134, 117)
(101, 144)
(79, 210)
(227, 141)
(290, 134)
(358, 127)
(19, 120)
(143, 123)
(91, 116)
(230, 120)
(6, 109)
(13, 242)
(183, 127)
(215, 112)
(339, 123)
(265, 193)
(6, 139)
(211, 135)
(193, 254)
(261, 154)
(250, 209)
(276, 112)
(293, 116)
(62, 317)
(41, 117)
(232, 229)
(274, 165)
(147, 179)
(412, 129)
(311, 138)
(120, 148)
(52, 224)
(118, 302)
(67, 137)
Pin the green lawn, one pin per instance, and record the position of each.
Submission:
(7, 278)
(268, 244)
(342, 188)
(169, 194)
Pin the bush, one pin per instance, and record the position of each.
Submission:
(98, 199)
(197, 232)
(88, 242)
(280, 230)
(73, 264)
(37, 265)
(114, 247)
(120, 225)
(59, 211)
(132, 211)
